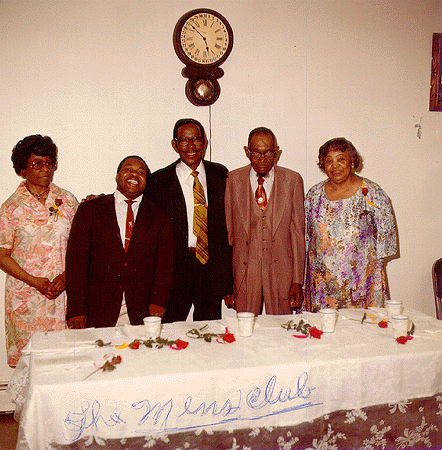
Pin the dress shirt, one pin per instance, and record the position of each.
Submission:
(268, 181)
(184, 174)
(121, 211)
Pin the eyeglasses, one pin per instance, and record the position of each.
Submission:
(269, 154)
(184, 141)
(38, 165)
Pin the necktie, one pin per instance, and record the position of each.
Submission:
(130, 222)
(200, 220)
(260, 194)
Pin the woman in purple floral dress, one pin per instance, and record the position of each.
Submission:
(350, 230)
(34, 228)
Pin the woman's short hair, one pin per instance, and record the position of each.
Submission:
(339, 144)
(38, 145)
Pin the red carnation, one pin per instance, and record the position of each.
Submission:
(383, 323)
(314, 332)
(403, 339)
(181, 344)
(135, 345)
(229, 337)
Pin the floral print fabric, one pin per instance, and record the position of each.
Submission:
(37, 238)
(347, 241)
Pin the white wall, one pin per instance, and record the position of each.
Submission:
(102, 79)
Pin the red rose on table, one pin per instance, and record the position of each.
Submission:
(314, 332)
(403, 339)
(181, 344)
(135, 345)
(229, 337)
(383, 323)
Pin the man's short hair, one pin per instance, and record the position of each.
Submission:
(137, 157)
(182, 122)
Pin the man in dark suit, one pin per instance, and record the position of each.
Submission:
(120, 255)
(203, 273)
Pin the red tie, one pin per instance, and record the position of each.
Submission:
(260, 194)
(129, 224)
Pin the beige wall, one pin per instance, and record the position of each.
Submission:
(102, 79)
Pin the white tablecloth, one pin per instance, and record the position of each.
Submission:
(269, 379)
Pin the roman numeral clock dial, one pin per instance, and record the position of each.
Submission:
(203, 39)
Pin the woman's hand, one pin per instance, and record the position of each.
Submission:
(58, 285)
(43, 285)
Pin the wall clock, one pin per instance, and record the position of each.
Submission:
(203, 40)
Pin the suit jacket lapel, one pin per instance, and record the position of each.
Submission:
(110, 215)
(278, 195)
(244, 198)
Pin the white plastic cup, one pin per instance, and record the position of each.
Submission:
(152, 324)
(328, 319)
(394, 308)
(246, 323)
(400, 325)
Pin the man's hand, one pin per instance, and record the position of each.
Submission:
(230, 301)
(77, 322)
(156, 310)
(92, 197)
(296, 297)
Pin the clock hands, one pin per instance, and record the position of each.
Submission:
(204, 39)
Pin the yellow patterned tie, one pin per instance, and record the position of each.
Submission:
(200, 220)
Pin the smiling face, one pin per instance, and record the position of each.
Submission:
(190, 144)
(38, 178)
(131, 178)
(338, 166)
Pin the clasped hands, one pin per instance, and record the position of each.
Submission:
(51, 289)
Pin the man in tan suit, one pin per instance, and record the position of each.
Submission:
(265, 222)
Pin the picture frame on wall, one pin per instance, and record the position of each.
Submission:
(436, 74)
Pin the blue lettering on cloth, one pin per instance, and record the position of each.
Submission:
(154, 416)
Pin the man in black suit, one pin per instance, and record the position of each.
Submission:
(200, 279)
(120, 255)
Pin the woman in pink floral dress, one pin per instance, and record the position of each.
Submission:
(34, 228)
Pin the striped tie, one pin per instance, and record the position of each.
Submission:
(200, 220)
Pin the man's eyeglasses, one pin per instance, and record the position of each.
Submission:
(38, 165)
(184, 141)
(269, 154)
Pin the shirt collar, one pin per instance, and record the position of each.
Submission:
(268, 177)
(120, 198)
(184, 172)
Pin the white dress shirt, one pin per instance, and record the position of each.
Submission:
(121, 211)
(184, 174)
(268, 181)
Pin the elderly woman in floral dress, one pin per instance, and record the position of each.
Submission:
(34, 229)
(350, 230)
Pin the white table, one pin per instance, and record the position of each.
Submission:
(270, 380)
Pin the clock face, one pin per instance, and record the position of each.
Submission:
(205, 39)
